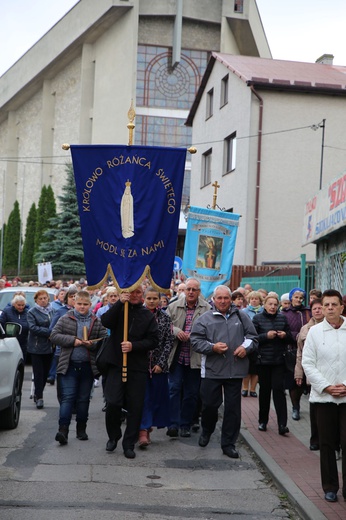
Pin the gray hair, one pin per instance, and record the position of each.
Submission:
(111, 290)
(18, 298)
(194, 279)
(222, 287)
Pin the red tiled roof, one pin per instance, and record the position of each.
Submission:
(277, 74)
(264, 70)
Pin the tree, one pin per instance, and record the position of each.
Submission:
(12, 239)
(62, 242)
(46, 210)
(29, 242)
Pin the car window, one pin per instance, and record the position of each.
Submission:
(7, 297)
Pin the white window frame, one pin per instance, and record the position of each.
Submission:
(230, 152)
(206, 168)
(210, 103)
(224, 91)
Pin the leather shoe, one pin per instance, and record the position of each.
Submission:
(331, 497)
(230, 452)
(111, 445)
(172, 432)
(185, 432)
(129, 453)
(262, 427)
(295, 414)
(283, 430)
(204, 439)
(253, 394)
(314, 447)
(244, 393)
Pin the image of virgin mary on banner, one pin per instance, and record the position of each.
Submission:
(129, 205)
(209, 247)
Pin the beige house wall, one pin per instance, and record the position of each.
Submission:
(234, 190)
(289, 167)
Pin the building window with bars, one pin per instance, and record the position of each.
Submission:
(224, 91)
(239, 6)
(206, 168)
(230, 146)
(210, 103)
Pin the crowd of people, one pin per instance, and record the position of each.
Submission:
(184, 356)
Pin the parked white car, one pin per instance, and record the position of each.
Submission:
(11, 376)
(7, 294)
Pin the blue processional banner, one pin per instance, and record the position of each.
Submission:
(129, 204)
(209, 247)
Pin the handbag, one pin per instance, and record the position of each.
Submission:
(101, 360)
(290, 358)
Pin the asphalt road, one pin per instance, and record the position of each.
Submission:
(172, 478)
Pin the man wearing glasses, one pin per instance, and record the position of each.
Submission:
(184, 363)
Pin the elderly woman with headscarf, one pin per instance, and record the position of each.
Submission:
(16, 312)
(297, 315)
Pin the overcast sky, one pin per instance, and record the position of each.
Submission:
(298, 30)
(303, 30)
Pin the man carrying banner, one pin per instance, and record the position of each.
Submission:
(224, 339)
(142, 337)
(184, 364)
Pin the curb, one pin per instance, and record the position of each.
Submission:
(304, 506)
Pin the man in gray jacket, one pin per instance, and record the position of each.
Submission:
(224, 338)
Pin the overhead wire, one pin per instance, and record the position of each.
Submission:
(41, 159)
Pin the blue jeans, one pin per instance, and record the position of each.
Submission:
(74, 388)
(184, 383)
(53, 367)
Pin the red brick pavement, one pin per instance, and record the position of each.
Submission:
(291, 453)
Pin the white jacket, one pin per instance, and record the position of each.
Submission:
(324, 360)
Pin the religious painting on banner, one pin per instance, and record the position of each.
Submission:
(209, 247)
(129, 205)
(44, 272)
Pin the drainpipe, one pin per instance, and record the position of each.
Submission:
(258, 173)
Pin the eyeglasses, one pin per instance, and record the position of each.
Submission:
(191, 289)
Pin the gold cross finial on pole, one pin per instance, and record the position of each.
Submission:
(215, 185)
(131, 114)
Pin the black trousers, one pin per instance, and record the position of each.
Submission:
(331, 422)
(40, 367)
(212, 392)
(313, 424)
(271, 379)
(116, 394)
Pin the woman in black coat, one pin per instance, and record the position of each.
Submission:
(273, 335)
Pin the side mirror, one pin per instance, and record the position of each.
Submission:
(12, 330)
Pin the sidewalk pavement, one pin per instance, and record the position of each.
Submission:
(289, 461)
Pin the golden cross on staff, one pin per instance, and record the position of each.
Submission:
(131, 114)
(215, 185)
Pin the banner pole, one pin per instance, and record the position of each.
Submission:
(131, 115)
